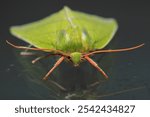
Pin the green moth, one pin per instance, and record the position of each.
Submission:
(70, 34)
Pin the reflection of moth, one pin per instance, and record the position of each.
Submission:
(72, 35)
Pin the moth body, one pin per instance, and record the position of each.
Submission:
(70, 34)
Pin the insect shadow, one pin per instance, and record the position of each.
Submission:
(67, 82)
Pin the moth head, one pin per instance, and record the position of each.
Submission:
(76, 58)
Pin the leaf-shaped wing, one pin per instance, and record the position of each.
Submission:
(101, 30)
(44, 33)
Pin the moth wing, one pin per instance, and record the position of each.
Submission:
(42, 33)
(101, 30)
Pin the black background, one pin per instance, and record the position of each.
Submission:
(133, 17)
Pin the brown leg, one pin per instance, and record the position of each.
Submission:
(28, 54)
(39, 58)
(51, 70)
(96, 66)
(44, 56)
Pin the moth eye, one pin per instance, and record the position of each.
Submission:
(68, 57)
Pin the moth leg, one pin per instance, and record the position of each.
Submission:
(39, 58)
(44, 56)
(25, 53)
(55, 65)
(96, 66)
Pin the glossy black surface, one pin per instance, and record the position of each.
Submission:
(128, 71)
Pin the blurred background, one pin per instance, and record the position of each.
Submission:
(128, 71)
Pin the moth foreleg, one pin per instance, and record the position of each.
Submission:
(96, 66)
(52, 69)
(39, 58)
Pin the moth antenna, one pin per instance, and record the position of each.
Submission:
(60, 60)
(116, 50)
(36, 49)
(96, 66)
(23, 47)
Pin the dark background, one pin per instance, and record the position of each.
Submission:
(130, 78)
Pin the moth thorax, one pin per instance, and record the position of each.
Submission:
(76, 58)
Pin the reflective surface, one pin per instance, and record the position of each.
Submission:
(128, 71)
